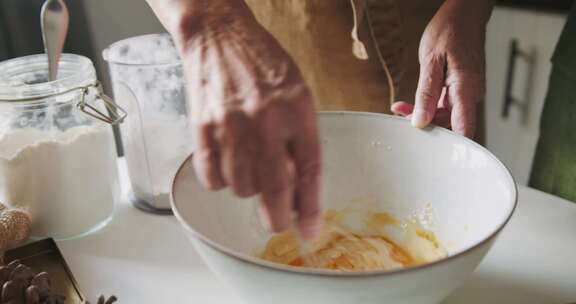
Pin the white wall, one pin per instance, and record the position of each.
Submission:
(113, 20)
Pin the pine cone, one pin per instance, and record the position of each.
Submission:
(14, 227)
(20, 285)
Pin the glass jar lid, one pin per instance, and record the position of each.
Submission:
(25, 80)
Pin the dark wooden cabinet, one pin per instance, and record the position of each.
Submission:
(544, 5)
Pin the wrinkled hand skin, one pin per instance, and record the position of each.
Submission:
(252, 112)
(452, 68)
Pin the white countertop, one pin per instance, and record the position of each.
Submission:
(143, 258)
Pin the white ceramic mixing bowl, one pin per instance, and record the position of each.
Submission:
(372, 159)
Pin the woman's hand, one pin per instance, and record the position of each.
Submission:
(252, 112)
(452, 68)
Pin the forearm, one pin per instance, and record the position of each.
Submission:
(184, 18)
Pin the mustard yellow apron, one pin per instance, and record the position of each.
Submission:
(356, 55)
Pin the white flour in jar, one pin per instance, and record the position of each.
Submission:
(68, 181)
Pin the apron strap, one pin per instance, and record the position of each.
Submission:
(358, 47)
(384, 28)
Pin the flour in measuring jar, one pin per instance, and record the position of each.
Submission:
(67, 180)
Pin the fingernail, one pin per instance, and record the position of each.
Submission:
(420, 118)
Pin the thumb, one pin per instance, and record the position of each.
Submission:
(430, 84)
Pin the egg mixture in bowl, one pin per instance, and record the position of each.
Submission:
(383, 243)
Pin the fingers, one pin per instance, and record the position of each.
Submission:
(278, 174)
(207, 159)
(276, 184)
(463, 111)
(237, 153)
(430, 84)
(453, 105)
(307, 164)
(441, 117)
(277, 189)
(466, 82)
(284, 169)
(465, 90)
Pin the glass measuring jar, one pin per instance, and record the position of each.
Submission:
(148, 81)
(57, 156)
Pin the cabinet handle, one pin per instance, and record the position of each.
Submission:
(514, 54)
(508, 98)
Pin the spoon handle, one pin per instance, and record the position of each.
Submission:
(54, 20)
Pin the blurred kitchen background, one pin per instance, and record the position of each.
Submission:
(521, 37)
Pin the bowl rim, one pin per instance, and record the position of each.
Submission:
(254, 261)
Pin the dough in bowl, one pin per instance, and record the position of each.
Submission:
(383, 243)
